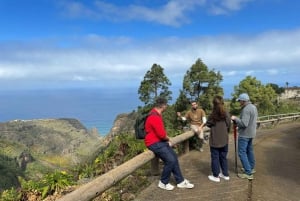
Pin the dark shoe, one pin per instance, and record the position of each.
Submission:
(245, 176)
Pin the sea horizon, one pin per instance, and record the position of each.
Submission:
(93, 107)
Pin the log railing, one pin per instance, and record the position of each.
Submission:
(100, 184)
(275, 119)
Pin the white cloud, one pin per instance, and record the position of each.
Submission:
(234, 4)
(9, 74)
(262, 55)
(230, 73)
(250, 72)
(226, 6)
(273, 71)
(172, 13)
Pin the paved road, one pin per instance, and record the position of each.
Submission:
(277, 153)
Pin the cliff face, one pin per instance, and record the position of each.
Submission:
(123, 124)
(33, 147)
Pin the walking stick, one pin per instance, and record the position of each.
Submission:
(235, 136)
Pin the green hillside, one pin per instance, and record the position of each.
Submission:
(32, 148)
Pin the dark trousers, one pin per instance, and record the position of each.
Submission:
(171, 164)
(219, 160)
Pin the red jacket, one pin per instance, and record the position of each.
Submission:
(154, 128)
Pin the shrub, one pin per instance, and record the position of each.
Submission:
(55, 182)
(10, 195)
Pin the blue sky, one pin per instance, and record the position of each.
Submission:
(50, 44)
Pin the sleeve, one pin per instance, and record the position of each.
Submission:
(243, 121)
(187, 116)
(228, 122)
(209, 123)
(203, 117)
(183, 118)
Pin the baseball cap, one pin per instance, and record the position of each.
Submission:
(243, 97)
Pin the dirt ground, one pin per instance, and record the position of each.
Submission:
(277, 152)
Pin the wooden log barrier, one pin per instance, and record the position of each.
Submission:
(100, 184)
(94, 188)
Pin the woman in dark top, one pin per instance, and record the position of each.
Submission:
(219, 123)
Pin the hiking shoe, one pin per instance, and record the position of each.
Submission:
(246, 176)
(224, 177)
(252, 171)
(167, 187)
(213, 178)
(185, 184)
(201, 149)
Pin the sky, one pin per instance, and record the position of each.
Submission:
(113, 43)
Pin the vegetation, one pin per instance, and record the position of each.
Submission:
(31, 150)
(200, 83)
(155, 84)
(10, 170)
(119, 150)
(10, 195)
(263, 96)
(278, 90)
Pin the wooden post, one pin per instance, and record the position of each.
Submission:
(186, 146)
(155, 166)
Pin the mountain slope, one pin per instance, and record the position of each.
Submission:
(33, 147)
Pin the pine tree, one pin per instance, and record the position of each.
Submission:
(155, 84)
(202, 84)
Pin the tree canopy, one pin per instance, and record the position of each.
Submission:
(155, 84)
(263, 96)
(202, 84)
(277, 89)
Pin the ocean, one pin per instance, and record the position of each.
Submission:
(93, 107)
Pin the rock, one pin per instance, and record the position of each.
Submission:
(123, 124)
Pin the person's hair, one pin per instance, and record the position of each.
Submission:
(159, 102)
(193, 101)
(218, 111)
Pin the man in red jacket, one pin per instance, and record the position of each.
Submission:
(158, 141)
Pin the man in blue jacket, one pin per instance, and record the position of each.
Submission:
(247, 131)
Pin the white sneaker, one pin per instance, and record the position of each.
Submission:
(167, 187)
(224, 177)
(212, 178)
(185, 184)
